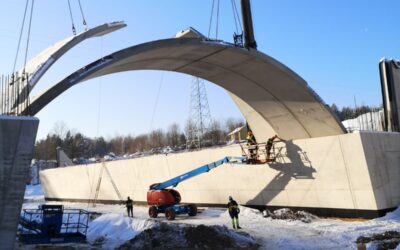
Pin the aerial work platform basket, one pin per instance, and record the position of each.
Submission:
(53, 224)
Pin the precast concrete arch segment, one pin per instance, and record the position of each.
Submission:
(38, 66)
(265, 90)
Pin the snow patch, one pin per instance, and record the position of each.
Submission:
(112, 230)
(33, 192)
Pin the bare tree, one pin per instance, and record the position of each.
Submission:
(173, 135)
(215, 135)
(232, 123)
(157, 138)
(140, 143)
(117, 145)
(60, 129)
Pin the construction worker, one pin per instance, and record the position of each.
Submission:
(252, 143)
(129, 206)
(233, 209)
(269, 145)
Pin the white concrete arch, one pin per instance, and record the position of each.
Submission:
(38, 66)
(268, 93)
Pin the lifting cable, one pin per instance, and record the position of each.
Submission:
(236, 17)
(27, 40)
(211, 18)
(216, 28)
(72, 18)
(83, 16)
(156, 103)
(20, 37)
(100, 93)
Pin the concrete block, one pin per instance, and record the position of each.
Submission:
(17, 139)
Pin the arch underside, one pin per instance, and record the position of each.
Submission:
(272, 98)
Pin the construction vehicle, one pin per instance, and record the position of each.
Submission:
(162, 199)
(53, 224)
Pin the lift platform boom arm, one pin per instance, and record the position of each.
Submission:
(200, 170)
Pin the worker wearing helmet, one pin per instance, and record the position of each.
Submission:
(252, 143)
(269, 145)
(233, 209)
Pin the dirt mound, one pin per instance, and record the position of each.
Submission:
(288, 214)
(182, 236)
(386, 240)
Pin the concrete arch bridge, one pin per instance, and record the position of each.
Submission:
(272, 98)
(345, 174)
(353, 174)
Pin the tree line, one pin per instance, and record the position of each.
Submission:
(76, 145)
(350, 113)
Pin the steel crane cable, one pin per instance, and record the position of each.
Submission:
(216, 28)
(20, 37)
(72, 18)
(236, 17)
(156, 102)
(83, 16)
(100, 93)
(211, 19)
(28, 37)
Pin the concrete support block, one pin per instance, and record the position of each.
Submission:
(354, 174)
(17, 139)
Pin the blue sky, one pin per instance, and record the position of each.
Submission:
(335, 45)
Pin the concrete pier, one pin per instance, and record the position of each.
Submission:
(17, 139)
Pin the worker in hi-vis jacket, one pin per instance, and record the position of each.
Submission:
(234, 211)
(252, 144)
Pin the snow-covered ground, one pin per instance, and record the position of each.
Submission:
(113, 228)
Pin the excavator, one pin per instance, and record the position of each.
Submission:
(163, 199)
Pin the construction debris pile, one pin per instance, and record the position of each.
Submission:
(386, 240)
(181, 236)
(288, 214)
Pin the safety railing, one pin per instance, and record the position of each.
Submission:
(65, 221)
(261, 153)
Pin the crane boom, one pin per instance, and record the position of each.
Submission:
(249, 40)
(200, 170)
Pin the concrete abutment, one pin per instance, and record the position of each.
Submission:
(17, 140)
